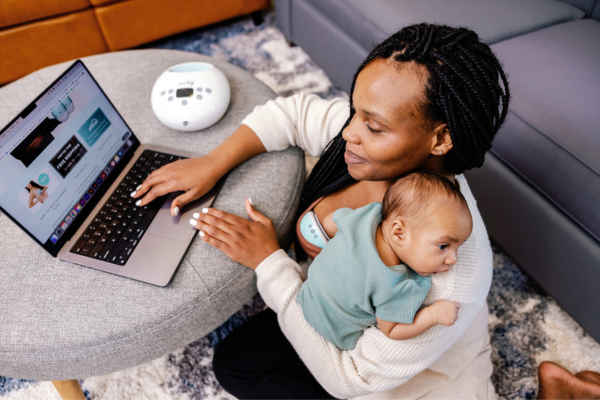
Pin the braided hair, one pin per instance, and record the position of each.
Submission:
(466, 88)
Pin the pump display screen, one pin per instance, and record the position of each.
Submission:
(185, 92)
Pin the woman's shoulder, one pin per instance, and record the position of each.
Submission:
(470, 279)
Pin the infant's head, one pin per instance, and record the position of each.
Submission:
(425, 220)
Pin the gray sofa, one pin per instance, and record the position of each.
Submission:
(539, 189)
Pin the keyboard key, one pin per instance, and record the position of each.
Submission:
(119, 226)
(78, 246)
(95, 252)
(106, 251)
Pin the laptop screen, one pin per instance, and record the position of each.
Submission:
(58, 157)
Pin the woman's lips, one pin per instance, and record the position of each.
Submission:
(353, 159)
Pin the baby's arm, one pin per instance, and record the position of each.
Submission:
(443, 312)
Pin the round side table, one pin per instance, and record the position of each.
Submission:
(63, 321)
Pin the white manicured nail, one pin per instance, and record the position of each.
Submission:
(201, 233)
(137, 203)
(250, 200)
(193, 222)
(133, 193)
(205, 210)
(176, 210)
(196, 215)
(138, 188)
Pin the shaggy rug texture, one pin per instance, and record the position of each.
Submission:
(526, 326)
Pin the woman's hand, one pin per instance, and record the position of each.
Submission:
(195, 176)
(247, 242)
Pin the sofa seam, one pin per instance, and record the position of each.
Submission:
(556, 142)
(545, 195)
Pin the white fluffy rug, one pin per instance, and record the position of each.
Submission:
(526, 325)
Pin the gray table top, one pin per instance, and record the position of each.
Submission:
(64, 321)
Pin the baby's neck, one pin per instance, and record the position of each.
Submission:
(386, 253)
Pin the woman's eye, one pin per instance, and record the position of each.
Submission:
(442, 246)
(372, 130)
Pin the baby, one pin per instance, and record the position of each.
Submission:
(378, 267)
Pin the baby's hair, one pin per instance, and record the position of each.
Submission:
(412, 193)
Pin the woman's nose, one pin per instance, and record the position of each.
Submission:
(350, 133)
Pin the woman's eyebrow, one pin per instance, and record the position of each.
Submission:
(377, 116)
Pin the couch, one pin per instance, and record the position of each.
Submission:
(539, 189)
(38, 33)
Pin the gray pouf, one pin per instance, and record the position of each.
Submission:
(64, 321)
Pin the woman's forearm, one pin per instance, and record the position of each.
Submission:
(242, 145)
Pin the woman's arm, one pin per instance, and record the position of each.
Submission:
(308, 122)
(376, 364)
(305, 121)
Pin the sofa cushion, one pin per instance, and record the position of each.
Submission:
(14, 12)
(370, 21)
(128, 24)
(551, 135)
(26, 48)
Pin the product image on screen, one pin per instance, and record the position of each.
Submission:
(36, 142)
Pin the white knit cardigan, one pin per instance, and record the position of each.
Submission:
(444, 362)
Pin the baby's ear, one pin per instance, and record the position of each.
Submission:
(398, 230)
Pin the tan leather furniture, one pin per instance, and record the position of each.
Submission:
(38, 33)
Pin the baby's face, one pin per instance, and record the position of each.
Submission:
(432, 246)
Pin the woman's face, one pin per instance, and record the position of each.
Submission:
(389, 135)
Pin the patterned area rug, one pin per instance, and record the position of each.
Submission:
(526, 326)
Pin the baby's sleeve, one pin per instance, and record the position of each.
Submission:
(341, 213)
(402, 307)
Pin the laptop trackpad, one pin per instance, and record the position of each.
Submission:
(175, 228)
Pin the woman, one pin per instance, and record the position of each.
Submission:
(37, 193)
(429, 97)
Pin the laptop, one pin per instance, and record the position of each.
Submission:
(68, 164)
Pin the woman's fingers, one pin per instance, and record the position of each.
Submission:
(255, 215)
(208, 213)
(153, 189)
(181, 200)
(213, 241)
(213, 226)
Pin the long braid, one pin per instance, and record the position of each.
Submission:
(466, 89)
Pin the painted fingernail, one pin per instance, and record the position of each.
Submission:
(201, 234)
(196, 215)
(138, 188)
(176, 211)
(137, 203)
(205, 210)
(133, 193)
(193, 222)
(250, 200)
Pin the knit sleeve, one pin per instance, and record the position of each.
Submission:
(376, 364)
(308, 122)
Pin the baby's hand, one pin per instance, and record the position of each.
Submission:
(444, 312)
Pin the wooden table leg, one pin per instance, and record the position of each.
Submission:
(69, 390)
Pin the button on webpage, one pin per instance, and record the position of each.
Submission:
(199, 97)
(208, 91)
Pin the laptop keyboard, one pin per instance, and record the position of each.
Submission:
(119, 226)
